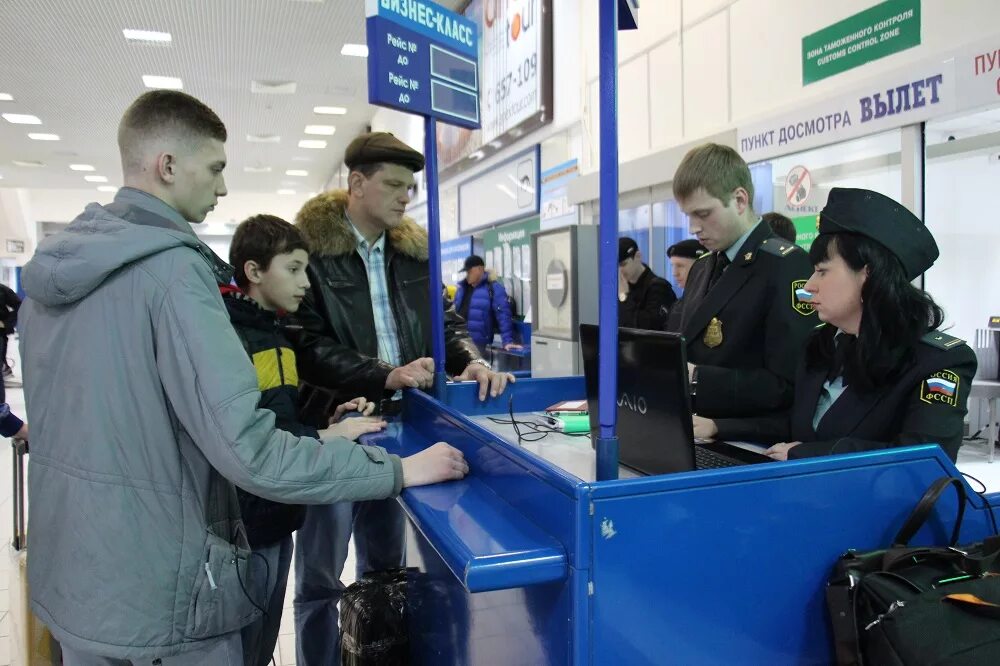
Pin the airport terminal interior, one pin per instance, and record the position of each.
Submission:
(899, 97)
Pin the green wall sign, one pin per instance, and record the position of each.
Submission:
(886, 28)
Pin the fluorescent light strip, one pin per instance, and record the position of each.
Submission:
(38, 136)
(315, 144)
(329, 110)
(81, 167)
(359, 50)
(96, 179)
(146, 36)
(6, 97)
(320, 130)
(21, 119)
(162, 82)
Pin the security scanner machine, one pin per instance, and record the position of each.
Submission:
(549, 552)
(564, 284)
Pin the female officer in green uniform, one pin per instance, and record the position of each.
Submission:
(877, 373)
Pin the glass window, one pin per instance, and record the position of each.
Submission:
(962, 174)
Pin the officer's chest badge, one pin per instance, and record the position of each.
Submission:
(713, 333)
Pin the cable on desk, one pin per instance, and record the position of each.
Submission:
(535, 431)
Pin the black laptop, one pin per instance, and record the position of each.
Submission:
(655, 432)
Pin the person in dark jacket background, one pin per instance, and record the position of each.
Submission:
(878, 373)
(780, 225)
(644, 299)
(9, 304)
(481, 300)
(682, 256)
(365, 331)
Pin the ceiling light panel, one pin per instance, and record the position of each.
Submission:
(147, 36)
(162, 82)
(329, 110)
(320, 130)
(40, 136)
(81, 167)
(358, 50)
(314, 144)
(96, 179)
(6, 97)
(296, 172)
(21, 119)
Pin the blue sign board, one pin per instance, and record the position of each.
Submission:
(423, 59)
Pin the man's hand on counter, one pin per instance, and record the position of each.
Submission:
(494, 382)
(440, 462)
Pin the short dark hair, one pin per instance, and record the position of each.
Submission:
(168, 110)
(717, 169)
(366, 170)
(781, 225)
(261, 238)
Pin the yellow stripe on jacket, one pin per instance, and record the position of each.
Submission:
(269, 375)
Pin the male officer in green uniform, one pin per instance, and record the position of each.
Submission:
(744, 325)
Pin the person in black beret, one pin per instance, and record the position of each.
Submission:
(365, 330)
(644, 298)
(877, 374)
(682, 256)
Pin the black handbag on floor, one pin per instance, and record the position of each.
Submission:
(918, 605)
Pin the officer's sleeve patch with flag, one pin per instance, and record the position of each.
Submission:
(801, 298)
(940, 388)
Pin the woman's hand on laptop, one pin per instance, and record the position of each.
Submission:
(780, 451)
(704, 428)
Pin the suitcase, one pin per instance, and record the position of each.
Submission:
(31, 644)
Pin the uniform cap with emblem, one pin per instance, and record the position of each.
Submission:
(888, 222)
(378, 147)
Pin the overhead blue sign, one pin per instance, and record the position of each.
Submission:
(423, 59)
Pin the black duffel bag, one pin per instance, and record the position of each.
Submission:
(918, 605)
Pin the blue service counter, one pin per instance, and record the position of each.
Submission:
(524, 562)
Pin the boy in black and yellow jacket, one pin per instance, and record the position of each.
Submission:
(270, 257)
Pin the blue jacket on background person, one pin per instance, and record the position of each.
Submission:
(485, 307)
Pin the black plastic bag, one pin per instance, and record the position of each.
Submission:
(374, 627)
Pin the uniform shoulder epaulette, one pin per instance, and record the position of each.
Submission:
(941, 340)
(781, 248)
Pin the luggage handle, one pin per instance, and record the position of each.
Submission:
(923, 509)
(19, 447)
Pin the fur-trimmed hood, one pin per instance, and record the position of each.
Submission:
(323, 222)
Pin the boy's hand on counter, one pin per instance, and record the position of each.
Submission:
(440, 462)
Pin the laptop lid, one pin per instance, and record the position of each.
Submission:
(655, 432)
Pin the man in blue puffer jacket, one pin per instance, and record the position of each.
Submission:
(482, 302)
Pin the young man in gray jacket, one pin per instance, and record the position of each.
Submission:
(143, 407)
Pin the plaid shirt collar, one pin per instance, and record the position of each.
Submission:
(363, 246)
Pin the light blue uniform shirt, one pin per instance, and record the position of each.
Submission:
(832, 390)
(735, 247)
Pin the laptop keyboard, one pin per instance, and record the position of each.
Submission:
(708, 459)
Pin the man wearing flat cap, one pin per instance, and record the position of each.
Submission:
(681, 256)
(741, 319)
(644, 298)
(365, 331)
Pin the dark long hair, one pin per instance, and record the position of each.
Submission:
(894, 313)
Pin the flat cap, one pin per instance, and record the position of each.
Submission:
(377, 147)
(878, 217)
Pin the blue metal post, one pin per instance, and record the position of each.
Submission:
(434, 250)
(607, 442)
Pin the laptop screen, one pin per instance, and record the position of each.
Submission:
(655, 433)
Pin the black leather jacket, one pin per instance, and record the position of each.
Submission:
(337, 346)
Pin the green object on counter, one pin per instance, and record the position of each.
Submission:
(574, 423)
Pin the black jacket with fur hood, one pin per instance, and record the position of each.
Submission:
(337, 347)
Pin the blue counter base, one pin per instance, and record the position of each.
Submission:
(523, 563)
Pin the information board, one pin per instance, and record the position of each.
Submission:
(423, 59)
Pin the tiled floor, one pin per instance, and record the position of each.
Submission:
(972, 459)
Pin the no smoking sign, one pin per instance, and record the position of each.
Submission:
(798, 183)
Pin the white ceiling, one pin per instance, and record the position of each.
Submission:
(69, 64)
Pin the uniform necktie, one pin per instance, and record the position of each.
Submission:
(719, 265)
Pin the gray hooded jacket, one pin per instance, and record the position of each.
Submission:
(143, 412)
